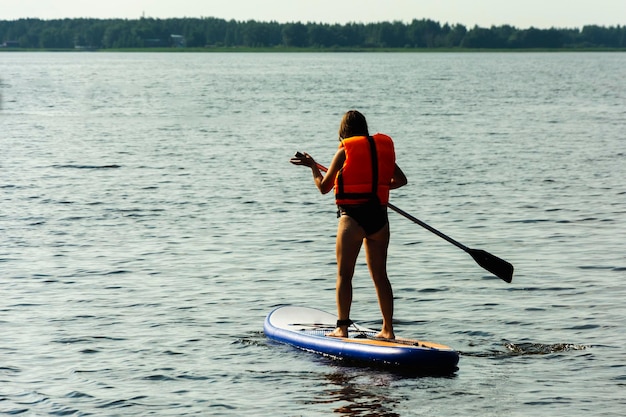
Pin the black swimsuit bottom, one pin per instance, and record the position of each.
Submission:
(372, 217)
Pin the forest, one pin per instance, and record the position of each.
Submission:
(215, 33)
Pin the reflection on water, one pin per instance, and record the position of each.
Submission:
(358, 397)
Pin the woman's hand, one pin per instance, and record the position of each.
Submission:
(303, 159)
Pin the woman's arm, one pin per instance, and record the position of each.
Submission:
(328, 182)
(399, 179)
(324, 183)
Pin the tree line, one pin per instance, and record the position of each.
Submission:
(214, 32)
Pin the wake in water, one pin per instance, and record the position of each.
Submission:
(541, 349)
(528, 348)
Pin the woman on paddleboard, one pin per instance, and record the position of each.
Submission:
(362, 172)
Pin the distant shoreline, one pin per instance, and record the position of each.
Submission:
(213, 34)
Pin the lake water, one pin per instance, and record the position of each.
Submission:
(150, 220)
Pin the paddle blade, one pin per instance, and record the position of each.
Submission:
(499, 267)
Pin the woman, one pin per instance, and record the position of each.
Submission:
(362, 172)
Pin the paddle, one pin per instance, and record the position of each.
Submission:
(497, 266)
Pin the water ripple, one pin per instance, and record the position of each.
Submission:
(150, 219)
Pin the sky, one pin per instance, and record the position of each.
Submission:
(485, 13)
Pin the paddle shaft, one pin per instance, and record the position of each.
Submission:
(427, 227)
(499, 267)
(415, 220)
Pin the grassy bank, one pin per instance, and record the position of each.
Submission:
(304, 50)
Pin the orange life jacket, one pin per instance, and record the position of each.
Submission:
(367, 171)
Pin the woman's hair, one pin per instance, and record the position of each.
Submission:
(353, 124)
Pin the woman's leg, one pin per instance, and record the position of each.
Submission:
(376, 246)
(349, 240)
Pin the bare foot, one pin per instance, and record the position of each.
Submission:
(386, 335)
(339, 332)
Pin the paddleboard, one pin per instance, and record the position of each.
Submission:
(308, 328)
